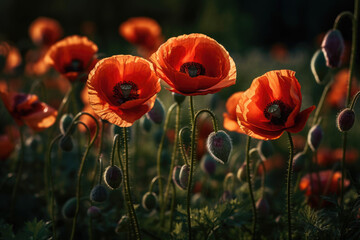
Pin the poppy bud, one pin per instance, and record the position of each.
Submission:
(219, 146)
(69, 208)
(94, 212)
(265, 149)
(299, 162)
(315, 136)
(66, 143)
(122, 225)
(149, 201)
(318, 66)
(157, 113)
(145, 123)
(179, 98)
(184, 176)
(208, 164)
(65, 123)
(241, 173)
(113, 177)
(262, 206)
(333, 48)
(98, 194)
(345, 120)
(176, 177)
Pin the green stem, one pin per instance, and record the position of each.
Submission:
(101, 126)
(172, 107)
(182, 146)
(18, 174)
(289, 183)
(173, 158)
(341, 16)
(353, 102)
(78, 190)
(248, 179)
(263, 178)
(128, 191)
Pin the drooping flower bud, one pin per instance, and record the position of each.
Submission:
(122, 225)
(157, 113)
(262, 206)
(179, 98)
(98, 194)
(94, 212)
(315, 136)
(219, 146)
(318, 66)
(184, 176)
(299, 162)
(69, 208)
(265, 149)
(345, 119)
(113, 177)
(66, 143)
(241, 173)
(208, 164)
(145, 123)
(333, 48)
(65, 123)
(176, 177)
(149, 201)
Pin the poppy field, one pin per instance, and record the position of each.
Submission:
(178, 136)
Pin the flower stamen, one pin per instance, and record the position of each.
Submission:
(277, 112)
(125, 91)
(193, 69)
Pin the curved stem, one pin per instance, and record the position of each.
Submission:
(289, 183)
(353, 102)
(341, 16)
(78, 191)
(18, 174)
(128, 191)
(248, 179)
(49, 177)
(182, 150)
(172, 205)
(172, 164)
(97, 160)
(172, 107)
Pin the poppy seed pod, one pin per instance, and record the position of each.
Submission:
(113, 177)
(149, 201)
(333, 48)
(65, 123)
(265, 149)
(176, 176)
(157, 113)
(318, 66)
(208, 164)
(262, 206)
(315, 136)
(299, 162)
(66, 143)
(184, 176)
(94, 212)
(345, 120)
(69, 208)
(179, 98)
(122, 225)
(241, 173)
(219, 146)
(145, 123)
(98, 194)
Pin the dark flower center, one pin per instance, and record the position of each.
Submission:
(125, 91)
(26, 110)
(76, 65)
(193, 69)
(277, 112)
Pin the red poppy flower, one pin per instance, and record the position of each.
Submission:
(194, 64)
(6, 147)
(230, 118)
(328, 184)
(327, 157)
(337, 95)
(143, 32)
(45, 31)
(122, 88)
(271, 106)
(73, 57)
(26, 108)
(11, 56)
